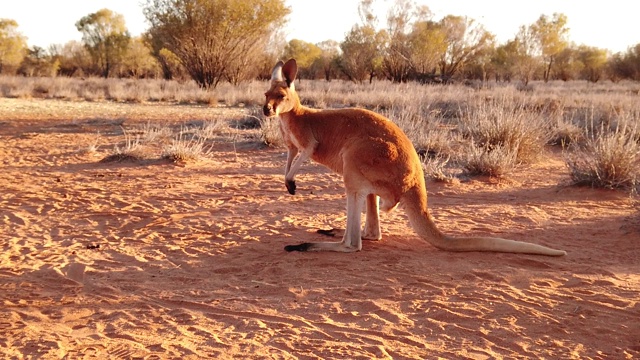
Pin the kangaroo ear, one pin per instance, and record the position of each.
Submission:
(276, 73)
(290, 70)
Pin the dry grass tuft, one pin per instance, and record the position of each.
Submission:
(186, 150)
(435, 168)
(131, 150)
(252, 120)
(608, 159)
(270, 132)
(93, 147)
(211, 128)
(191, 144)
(566, 133)
(507, 124)
(425, 127)
(496, 161)
(153, 133)
(504, 134)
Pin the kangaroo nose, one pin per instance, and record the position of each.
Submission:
(266, 110)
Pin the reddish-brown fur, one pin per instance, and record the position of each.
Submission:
(375, 158)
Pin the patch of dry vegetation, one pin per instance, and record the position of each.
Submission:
(607, 159)
(496, 161)
(436, 168)
(270, 132)
(184, 150)
(131, 150)
(455, 128)
(503, 134)
(187, 143)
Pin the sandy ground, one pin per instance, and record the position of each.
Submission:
(152, 260)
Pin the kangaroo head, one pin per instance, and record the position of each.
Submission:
(281, 96)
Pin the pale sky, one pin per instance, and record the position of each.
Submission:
(610, 24)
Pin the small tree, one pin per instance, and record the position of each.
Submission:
(428, 46)
(593, 61)
(567, 65)
(214, 38)
(327, 62)
(13, 46)
(169, 63)
(106, 37)
(73, 57)
(481, 66)
(397, 52)
(138, 62)
(503, 60)
(466, 39)
(305, 54)
(362, 47)
(632, 58)
(551, 36)
(625, 65)
(526, 60)
(361, 56)
(270, 53)
(39, 63)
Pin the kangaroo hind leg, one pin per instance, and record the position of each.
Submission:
(371, 230)
(351, 240)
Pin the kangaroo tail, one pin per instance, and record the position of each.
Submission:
(415, 204)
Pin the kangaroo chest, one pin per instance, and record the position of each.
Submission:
(294, 135)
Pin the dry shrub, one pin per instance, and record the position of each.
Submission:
(525, 87)
(112, 89)
(13, 87)
(183, 150)
(505, 124)
(154, 133)
(252, 119)
(436, 168)
(248, 94)
(270, 132)
(214, 127)
(131, 150)
(608, 159)
(566, 133)
(439, 140)
(189, 143)
(425, 127)
(496, 161)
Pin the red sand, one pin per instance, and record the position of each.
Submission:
(190, 262)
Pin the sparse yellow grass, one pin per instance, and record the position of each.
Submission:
(480, 130)
(435, 167)
(185, 150)
(131, 150)
(188, 143)
(497, 161)
(504, 133)
(270, 132)
(608, 159)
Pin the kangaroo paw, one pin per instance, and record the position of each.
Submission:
(299, 247)
(291, 186)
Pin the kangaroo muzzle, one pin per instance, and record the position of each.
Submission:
(268, 110)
